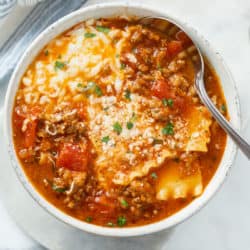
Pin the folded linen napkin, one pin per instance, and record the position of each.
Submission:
(42, 15)
(7, 5)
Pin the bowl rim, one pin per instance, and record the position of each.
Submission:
(166, 223)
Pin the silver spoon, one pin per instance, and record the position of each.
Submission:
(201, 90)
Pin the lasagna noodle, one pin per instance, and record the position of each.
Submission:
(198, 124)
(170, 185)
(114, 157)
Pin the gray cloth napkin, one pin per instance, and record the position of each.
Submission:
(6, 6)
(43, 14)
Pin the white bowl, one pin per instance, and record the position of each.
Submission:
(106, 10)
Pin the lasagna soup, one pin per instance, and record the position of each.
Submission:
(108, 126)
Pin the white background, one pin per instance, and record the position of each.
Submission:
(224, 223)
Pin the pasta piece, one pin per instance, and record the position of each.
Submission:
(199, 121)
(128, 153)
(142, 169)
(170, 185)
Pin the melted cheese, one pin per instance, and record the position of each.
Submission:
(131, 153)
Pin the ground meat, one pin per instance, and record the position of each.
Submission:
(71, 184)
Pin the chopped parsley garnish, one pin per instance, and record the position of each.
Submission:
(90, 88)
(117, 55)
(80, 85)
(223, 108)
(110, 224)
(117, 128)
(134, 117)
(154, 175)
(127, 95)
(121, 221)
(130, 125)
(168, 129)
(46, 52)
(105, 139)
(167, 102)
(88, 219)
(157, 141)
(86, 88)
(58, 189)
(59, 65)
(98, 90)
(124, 203)
(89, 35)
(123, 65)
(103, 29)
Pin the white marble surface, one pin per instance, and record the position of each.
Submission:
(224, 223)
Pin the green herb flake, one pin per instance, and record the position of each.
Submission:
(91, 88)
(98, 90)
(124, 203)
(134, 117)
(80, 85)
(59, 65)
(157, 141)
(103, 29)
(110, 224)
(154, 175)
(170, 102)
(121, 221)
(105, 139)
(58, 189)
(167, 102)
(223, 108)
(168, 129)
(89, 35)
(117, 55)
(130, 125)
(123, 66)
(127, 95)
(46, 52)
(117, 128)
(89, 219)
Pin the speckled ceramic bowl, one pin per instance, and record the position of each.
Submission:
(107, 10)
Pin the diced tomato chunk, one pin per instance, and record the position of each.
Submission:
(180, 103)
(181, 36)
(174, 48)
(104, 205)
(73, 156)
(161, 89)
(30, 134)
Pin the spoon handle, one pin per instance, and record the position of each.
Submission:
(235, 136)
